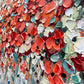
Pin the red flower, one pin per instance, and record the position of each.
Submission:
(31, 30)
(37, 45)
(55, 73)
(78, 62)
(55, 42)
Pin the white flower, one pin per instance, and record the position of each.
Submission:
(79, 45)
(44, 80)
(16, 49)
(80, 24)
(69, 12)
(42, 65)
(70, 24)
(71, 34)
(51, 30)
(64, 19)
(7, 45)
(40, 28)
(35, 58)
(26, 46)
(46, 32)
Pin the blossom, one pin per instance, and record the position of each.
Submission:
(79, 48)
(55, 74)
(55, 41)
(78, 62)
(37, 45)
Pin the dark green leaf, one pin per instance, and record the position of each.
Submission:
(52, 19)
(15, 57)
(2, 50)
(81, 75)
(40, 35)
(64, 29)
(75, 79)
(54, 58)
(33, 69)
(66, 67)
(12, 78)
(24, 57)
(59, 24)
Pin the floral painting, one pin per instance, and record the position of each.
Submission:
(41, 41)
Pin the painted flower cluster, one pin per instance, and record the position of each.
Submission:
(41, 41)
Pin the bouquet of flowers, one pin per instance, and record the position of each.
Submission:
(41, 41)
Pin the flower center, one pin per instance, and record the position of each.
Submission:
(37, 47)
(41, 57)
(74, 39)
(57, 41)
(63, 75)
(52, 74)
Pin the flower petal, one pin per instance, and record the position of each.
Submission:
(47, 67)
(39, 42)
(57, 69)
(57, 79)
(51, 81)
(67, 3)
(33, 47)
(50, 7)
(49, 42)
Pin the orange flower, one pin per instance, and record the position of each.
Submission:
(67, 3)
(55, 74)
(55, 41)
(37, 45)
(50, 7)
(31, 30)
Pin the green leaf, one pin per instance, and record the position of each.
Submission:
(2, 51)
(16, 71)
(12, 78)
(25, 6)
(81, 74)
(54, 58)
(26, 1)
(61, 55)
(59, 24)
(66, 67)
(33, 19)
(64, 29)
(32, 81)
(23, 82)
(75, 79)
(40, 35)
(24, 57)
(77, 2)
(52, 19)
(15, 57)
(33, 69)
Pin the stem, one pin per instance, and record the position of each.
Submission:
(68, 78)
